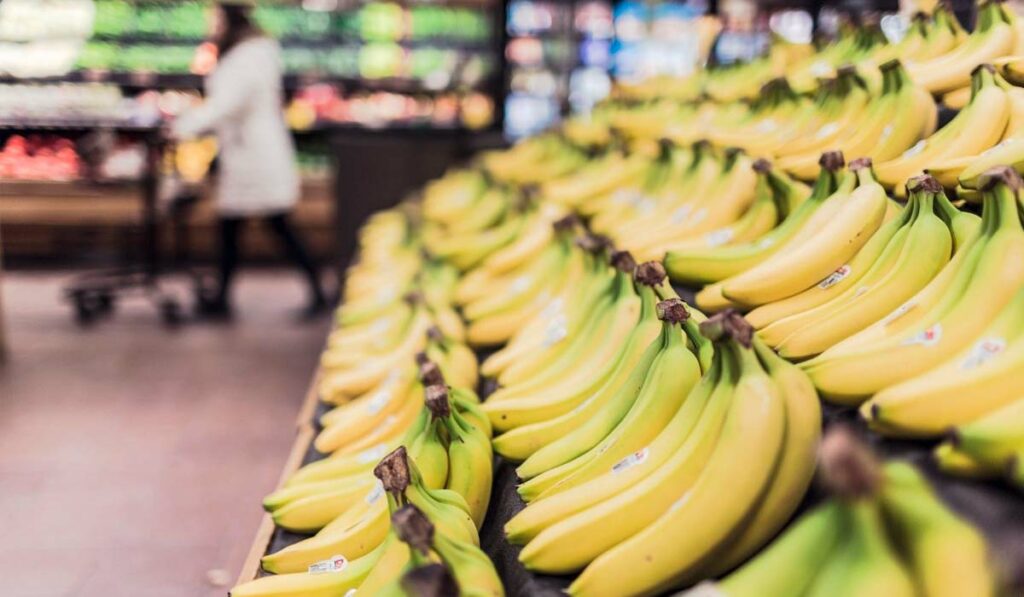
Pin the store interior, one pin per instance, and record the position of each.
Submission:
(511, 297)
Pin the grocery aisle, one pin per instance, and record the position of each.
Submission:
(133, 460)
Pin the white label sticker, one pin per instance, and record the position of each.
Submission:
(625, 197)
(335, 564)
(899, 312)
(916, 149)
(719, 237)
(386, 294)
(520, 284)
(826, 130)
(634, 459)
(373, 454)
(983, 351)
(380, 399)
(557, 330)
(375, 494)
(679, 215)
(553, 308)
(646, 206)
(821, 68)
(926, 337)
(835, 277)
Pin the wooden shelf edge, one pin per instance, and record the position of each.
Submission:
(303, 439)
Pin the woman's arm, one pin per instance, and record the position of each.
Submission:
(234, 86)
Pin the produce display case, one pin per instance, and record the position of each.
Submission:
(995, 508)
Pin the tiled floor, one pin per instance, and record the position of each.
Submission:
(133, 459)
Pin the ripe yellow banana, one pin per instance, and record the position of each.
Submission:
(712, 509)
(699, 266)
(973, 383)
(979, 294)
(803, 265)
(948, 556)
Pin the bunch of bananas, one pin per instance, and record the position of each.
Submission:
(994, 113)
(520, 280)
(337, 497)
(440, 518)
(670, 512)
(996, 34)
(534, 160)
(588, 364)
(397, 303)
(942, 322)
(895, 263)
(884, 532)
(987, 447)
(832, 229)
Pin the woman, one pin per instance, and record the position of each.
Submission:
(258, 176)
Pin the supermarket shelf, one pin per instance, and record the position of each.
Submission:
(326, 42)
(58, 124)
(996, 509)
(186, 81)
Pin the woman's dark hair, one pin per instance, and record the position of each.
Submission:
(238, 26)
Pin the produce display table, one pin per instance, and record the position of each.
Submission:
(995, 508)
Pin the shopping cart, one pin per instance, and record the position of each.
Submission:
(170, 185)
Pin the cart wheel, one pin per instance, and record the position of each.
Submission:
(170, 311)
(85, 314)
(105, 303)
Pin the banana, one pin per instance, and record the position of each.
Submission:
(734, 192)
(699, 266)
(356, 418)
(581, 312)
(790, 564)
(470, 566)
(640, 418)
(1009, 152)
(795, 469)
(612, 171)
(973, 383)
(306, 584)
(356, 532)
(804, 264)
(469, 456)
(866, 563)
(951, 324)
(591, 378)
(759, 219)
(611, 401)
(712, 509)
(952, 461)
(976, 128)
(992, 38)
(700, 417)
(948, 556)
(882, 247)
(925, 251)
(993, 439)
